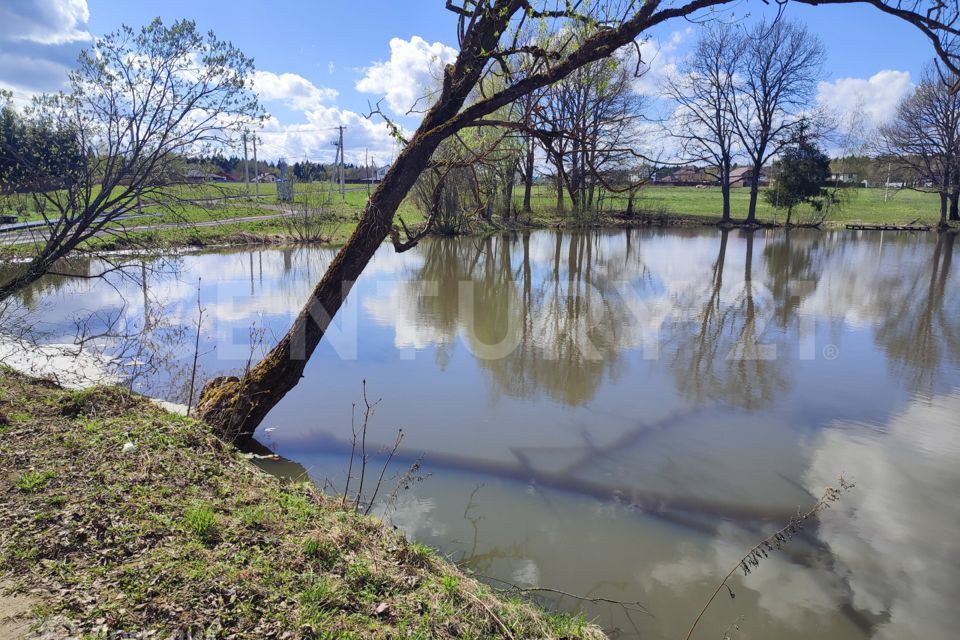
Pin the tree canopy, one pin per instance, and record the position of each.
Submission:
(801, 176)
(37, 154)
(136, 103)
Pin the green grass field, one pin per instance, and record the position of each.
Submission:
(185, 225)
(862, 205)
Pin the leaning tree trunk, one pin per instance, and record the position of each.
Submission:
(233, 406)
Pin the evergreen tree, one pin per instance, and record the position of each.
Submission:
(802, 174)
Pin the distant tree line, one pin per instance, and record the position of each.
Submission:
(302, 170)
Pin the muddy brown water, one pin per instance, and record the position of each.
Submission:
(618, 414)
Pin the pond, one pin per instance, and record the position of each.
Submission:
(615, 414)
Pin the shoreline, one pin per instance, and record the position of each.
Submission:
(260, 233)
(121, 516)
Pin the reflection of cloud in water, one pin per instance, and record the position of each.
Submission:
(894, 552)
(415, 517)
(896, 533)
(527, 573)
(787, 592)
(399, 306)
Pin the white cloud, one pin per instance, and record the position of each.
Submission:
(294, 90)
(44, 21)
(39, 42)
(413, 71)
(660, 62)
(312, 139)
(893, 537)
(873, 100)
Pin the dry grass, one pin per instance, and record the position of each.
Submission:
(181, 534)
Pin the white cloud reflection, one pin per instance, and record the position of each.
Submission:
(895, 535)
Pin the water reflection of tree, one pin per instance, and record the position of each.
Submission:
(68, 273)
(794, 266)
(729, 357)
(918, 326)
(564, 347)
(567, 324)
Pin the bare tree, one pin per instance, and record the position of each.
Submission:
(523, 112)
(588, 122)
(704, 93)
(779, 65)
(137, 102)
(924, 137)
(489, 36)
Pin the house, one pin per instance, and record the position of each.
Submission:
(197, 176)
(743, 176)
(843, 178)
(688, 176)
(374, 175)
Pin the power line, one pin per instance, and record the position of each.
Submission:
(339, 161)
(298, 130)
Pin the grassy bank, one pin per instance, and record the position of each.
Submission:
(255, 221)
(699, 204)
(266, 231)
(874, 206)
(176, 532)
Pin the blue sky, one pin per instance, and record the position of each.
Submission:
(321, 62)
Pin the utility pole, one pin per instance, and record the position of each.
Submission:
(334, 170)
(246, 165)
(366, 168)
(340, 148)
(256, 167)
